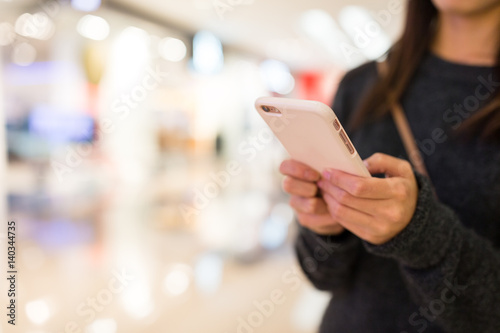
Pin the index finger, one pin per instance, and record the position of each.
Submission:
(361, 187)
(299, 170)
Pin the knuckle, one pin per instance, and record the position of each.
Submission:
(404, 167)
(395, 214)
(311, 205)
(288, 184)
(293, 202)
(407, 165)
(391, 215)
(400, 190)
(336, 209)
(377, 156)
(358, 188)
(311, 190)
(290, 168)
(303, 205)
(307, 190)
(343, 197)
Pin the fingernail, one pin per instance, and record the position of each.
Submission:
(327, 174)
(365, 162)
(321, 183)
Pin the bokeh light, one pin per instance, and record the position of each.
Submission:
(37, 311)
(177, 280)
(172, 49)
(104, 325)
(93, 27)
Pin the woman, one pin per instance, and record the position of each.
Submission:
(398, 253)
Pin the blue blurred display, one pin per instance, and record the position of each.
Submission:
(59, 125)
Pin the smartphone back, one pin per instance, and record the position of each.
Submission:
(311, 133)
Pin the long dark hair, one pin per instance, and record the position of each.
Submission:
(403, 60)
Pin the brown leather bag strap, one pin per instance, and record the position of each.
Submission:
(408, 139)
(404, 129)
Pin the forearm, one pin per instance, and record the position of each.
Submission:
(327, 261)
(453, 273)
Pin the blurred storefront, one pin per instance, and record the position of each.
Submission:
(145, 188)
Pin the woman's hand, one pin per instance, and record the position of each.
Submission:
(312, 213)
(374, 209)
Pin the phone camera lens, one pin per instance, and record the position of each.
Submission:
(266, 108)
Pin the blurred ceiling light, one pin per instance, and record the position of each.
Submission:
(23, 54)
(86, 5)
(321, 27)
(366, 33)
(130, 57)
(290, 50)
(107, 325)
(172, 49)
(277, 77)
(208, 272)
(38, 26)
(177, 280)
(93, 27)
(318, 23)
(37, 311)
(132, 46)
(7, 34)
(208, 57)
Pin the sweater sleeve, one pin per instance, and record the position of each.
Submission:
(453, 273)
(328, 261)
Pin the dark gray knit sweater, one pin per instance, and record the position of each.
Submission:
(442, 272)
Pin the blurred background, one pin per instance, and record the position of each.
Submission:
(144, 187)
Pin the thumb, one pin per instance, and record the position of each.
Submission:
(388, 165)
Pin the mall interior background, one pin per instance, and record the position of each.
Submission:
(144, 187)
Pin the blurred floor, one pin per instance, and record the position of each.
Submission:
(114, 263)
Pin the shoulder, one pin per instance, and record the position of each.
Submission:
(353, 86)
(359, 77)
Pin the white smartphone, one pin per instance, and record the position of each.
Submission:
(311, 134)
